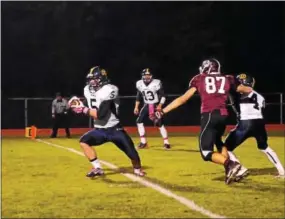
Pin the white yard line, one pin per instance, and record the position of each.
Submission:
(187, 202)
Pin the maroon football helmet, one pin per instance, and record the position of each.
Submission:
(210, 66)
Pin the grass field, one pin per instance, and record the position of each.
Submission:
(41, 181)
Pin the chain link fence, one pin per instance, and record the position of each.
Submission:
(24, 112)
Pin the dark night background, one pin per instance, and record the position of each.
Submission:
(50, 46)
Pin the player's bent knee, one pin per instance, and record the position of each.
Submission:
(206, 155)
(262, 146)
(84, 140)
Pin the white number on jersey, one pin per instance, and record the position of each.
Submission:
(211, 85)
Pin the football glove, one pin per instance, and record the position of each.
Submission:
(77, 106)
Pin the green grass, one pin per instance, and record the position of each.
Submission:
(40, 181)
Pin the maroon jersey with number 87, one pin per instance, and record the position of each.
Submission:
(214, 90)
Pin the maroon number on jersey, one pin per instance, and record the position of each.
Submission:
(214, 90)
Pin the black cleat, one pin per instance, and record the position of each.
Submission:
(232, 169)
(142, 146)
(95, 172)
(166, 146)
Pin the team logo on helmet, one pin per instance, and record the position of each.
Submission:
(246, 80)
(146, 75)
(97, 77)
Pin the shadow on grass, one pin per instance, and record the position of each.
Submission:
(175, 187)
(247, 183)
(173, 148)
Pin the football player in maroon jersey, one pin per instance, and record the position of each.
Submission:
(214, 88)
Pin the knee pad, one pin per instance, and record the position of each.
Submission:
(207, 155)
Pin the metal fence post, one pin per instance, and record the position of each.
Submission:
(26, 112)
(281, 108)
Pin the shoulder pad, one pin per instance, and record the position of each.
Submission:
(108, 92)
(139, 83)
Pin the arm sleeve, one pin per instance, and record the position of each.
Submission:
(139, 96)
(87, 96)
(161, 94)
(104, 108)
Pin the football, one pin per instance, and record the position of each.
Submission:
(75, 102)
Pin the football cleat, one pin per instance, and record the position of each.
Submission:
(231, 171)
(166, 146)
(139, 172)
(242, 173)
(142, 145)
(95, 172)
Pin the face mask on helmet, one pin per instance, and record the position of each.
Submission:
(97, 77)
(146, 76)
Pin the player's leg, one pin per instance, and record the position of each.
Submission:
(209, 122)
(92, 138)
(235, 138)
(66, 125)
(163, 133)
(142, 115)
(220, 129)
(260, 135)
(55, 126)
(123, 141)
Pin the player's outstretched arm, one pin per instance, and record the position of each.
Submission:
(180, 100)
(243, 89)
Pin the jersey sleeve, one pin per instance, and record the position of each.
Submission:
(233, 83)
(109, 93)
(87, 95)
(194, 82)
(161, 94)
(261, 101)
(108, 97)
(138, 85)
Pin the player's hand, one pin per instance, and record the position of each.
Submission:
(159, 108)
(157, 116)
(136, 111)
(76, 105)
(53, 116)
(75, 102)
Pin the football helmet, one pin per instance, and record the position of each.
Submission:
(245, 80)
(146, 75)
(97, 77)
(210, 66)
